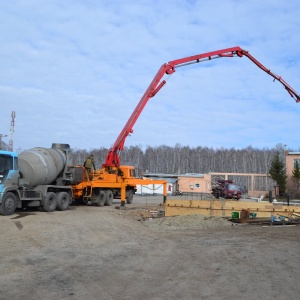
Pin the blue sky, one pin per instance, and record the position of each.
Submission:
(73, 71)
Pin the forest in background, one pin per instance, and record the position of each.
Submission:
(184, 159)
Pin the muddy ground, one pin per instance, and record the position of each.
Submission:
(104, 253)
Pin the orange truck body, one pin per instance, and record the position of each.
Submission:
(111, 183)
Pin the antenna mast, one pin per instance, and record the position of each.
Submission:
(12, 129)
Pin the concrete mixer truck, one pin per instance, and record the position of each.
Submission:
(39, 177)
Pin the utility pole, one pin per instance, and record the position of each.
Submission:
(1, 136)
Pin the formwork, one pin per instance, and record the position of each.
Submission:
(226, 208)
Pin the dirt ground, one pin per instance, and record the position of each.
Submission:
(105, 253)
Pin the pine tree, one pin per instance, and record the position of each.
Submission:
(296, 171)
(296, 179)
(278, 173)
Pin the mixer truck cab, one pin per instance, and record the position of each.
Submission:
(39, 177)
(9, 178)
(9, 172)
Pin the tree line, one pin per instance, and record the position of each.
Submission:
(185, 159)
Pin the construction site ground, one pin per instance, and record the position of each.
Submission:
(92, 252)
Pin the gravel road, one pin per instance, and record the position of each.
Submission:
(106, 253)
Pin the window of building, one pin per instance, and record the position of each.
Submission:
(197, 185)
(296, 160)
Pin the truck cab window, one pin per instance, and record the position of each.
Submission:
(132, 173)
(16, 163)
(6, 163)
(234, 187)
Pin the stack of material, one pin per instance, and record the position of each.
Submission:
(279, 219)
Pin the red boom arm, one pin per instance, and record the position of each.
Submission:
(113, 159)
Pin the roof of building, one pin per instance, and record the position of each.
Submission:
(197, 175)
(164, 176)
(168, 180)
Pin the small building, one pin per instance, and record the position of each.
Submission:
(290, 162)
(194, 183)
(185, 183)
(158, 189)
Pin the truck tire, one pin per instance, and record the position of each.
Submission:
(129, 196)
(50, 202)
(63, 201)
(8, 205)
(101, 198)
(109, 197)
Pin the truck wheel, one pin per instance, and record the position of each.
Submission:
(109, 197)
(217, 195)
(129, 196)
(63, 201)
(8, 205)
(101, 198)
(50, 202)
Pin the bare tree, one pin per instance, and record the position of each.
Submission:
(186, 159)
